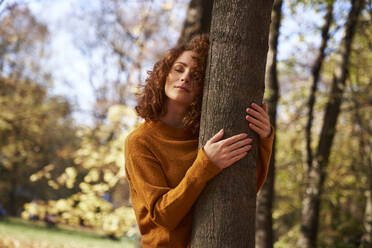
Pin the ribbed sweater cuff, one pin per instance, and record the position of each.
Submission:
(267, 143)
(204, 169)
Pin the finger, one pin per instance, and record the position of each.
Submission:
(217, 136)
(255, 122)
(260, 116)
(265, 106)
(239, 144)
(240, 150)
(258, 108)
(258, 111)
(236, 158)
(258, 130)
(233, 139)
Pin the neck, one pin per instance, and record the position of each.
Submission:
(174, 114)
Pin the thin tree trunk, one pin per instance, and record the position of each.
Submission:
(225, 211)
(367, 223)
(317, 172)
(197, 21)
(315, 71)
(13, 206)
(264, 219)
(365, 146)
(365, 155)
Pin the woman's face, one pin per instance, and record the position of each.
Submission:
(180, 86)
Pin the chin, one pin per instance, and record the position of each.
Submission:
(180, 100)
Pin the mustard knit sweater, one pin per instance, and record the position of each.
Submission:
(166, 174)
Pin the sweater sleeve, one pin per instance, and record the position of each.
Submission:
(166, 206)
(263, 160)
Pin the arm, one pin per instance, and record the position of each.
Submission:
(167, 206)
(265, 146)
(260, 123)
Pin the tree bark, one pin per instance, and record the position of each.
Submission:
(317, 173)
(13, 203)
(264, 220)
(224, 214)
(367, 223)
(365, 146)
(198, 19)
(315, 71)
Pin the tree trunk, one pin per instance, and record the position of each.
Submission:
(315, 71)
(225, 211)
(365, 146)
(317, 173)
(264, 220)
(367, 236)
(198, 19)
(13, 198)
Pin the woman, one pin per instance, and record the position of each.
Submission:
(165, 170)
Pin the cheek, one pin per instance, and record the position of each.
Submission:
(172, 77)
(168, 85)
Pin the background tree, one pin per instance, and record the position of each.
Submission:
(197, 21)
(316, 174)
(360, 80)
(125, 39)
(36, 130)
(264, 219)
(315, 73)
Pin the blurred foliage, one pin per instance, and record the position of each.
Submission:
(36, 129)
(100, 160)
(119, 38)
(23, 42)
(65, 172)
(36, 133)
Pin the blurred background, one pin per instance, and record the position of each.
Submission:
(69, 71)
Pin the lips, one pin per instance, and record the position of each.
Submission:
(181, 87)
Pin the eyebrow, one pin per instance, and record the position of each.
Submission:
(181, 63)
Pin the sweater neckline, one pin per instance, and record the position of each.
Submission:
(170, 131)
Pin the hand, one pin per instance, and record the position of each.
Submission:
(224, 153)
(261, 123)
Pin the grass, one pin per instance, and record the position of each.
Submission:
(15, 232)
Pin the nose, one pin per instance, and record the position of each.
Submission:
(185, 77)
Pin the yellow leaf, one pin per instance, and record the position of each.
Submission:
(167, 6)
(115, 112)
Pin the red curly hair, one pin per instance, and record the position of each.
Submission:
(152, 99)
